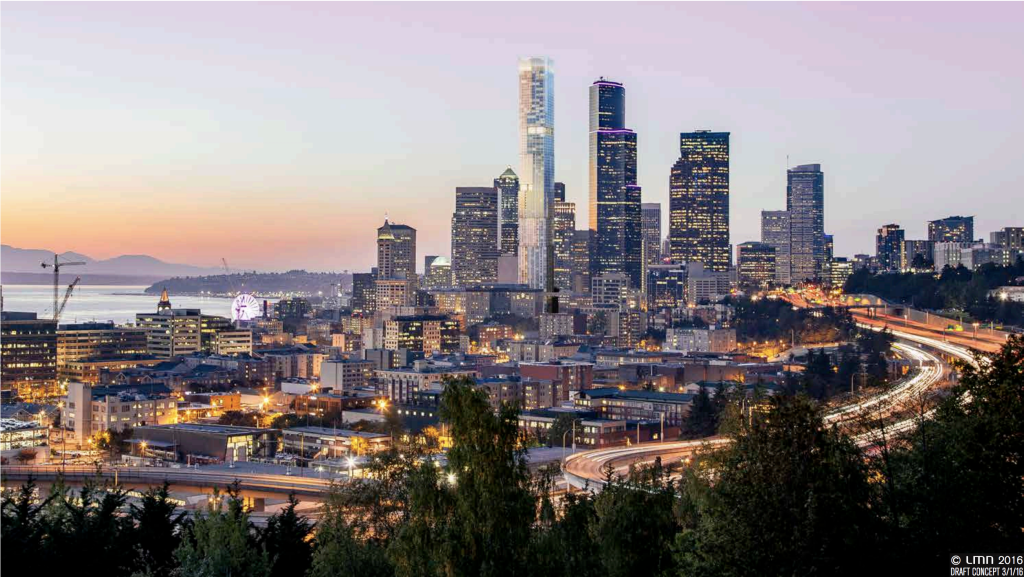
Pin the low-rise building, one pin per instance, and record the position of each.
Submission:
(90, 410)
(313, 443)
(627, 405)
(204, 443)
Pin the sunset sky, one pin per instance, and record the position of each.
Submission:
(278, 135)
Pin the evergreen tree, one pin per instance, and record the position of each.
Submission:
(286, 541)
(220, 542)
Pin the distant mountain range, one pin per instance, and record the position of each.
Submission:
(24, 260)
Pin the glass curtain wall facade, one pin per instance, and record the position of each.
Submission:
(475, 236)
(615, 215)
(699, 200)
(537, 171)
(507, 186)
(805, 201)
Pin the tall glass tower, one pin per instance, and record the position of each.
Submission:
(699, 200)
(615, 216)
(805, 202)
(536, 172)
(507, 185)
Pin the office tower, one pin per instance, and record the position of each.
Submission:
(889, 247)
(952, 229)
(396, 251)
(438, 274)
(651, 232)
(666, 286)
(805, 201)
(28, 354)
(919, 251)
(1011, 237)
(610, 289)
(537, 171)
(699, 200)
(581, 261)
(507, 185)
(475, 236)
(775, 232)
(559, 192)
(615, 216)
(829, 247)
(362, 293)
(564, 227)
(171, 332)
(755, 263)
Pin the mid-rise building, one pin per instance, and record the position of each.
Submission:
(438, 274)
(507, 185)
(76, 341)
(554, 325)
(28, 354)
(171, 332)
(396, 251)
(839, 270)
(919, 250)
(889, 245)
(701, 340)
(615, 214)
(951, 229)
(537, 171)
(475, 236)
(363, 293)
(1011, 237)
(610, 289)
(345, 375)
(755, 263)
(90, 410)
(394, 292)
(666, 286)
(581, 261)
(805, 202)
(430, 334)
(699, 200)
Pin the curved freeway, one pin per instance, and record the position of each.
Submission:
(586, 469)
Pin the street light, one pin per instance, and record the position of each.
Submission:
(351, 465)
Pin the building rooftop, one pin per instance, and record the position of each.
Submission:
(613, 392)
(329, 432)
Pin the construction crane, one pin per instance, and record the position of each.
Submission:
(67, 295)
(57, 265)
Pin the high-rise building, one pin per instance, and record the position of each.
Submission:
(363, 293)
(581, 261)
(699, 200)
(28, 354)
(805, 201)
(475, 236)
(438, 274)
(507, 185)
(912, 249)
(559, 192)
(1011, 237)
(396, 251)
(564, 228)
(755, 263)
(775, 233)
(952, 229)
(615, 216)
(651, 232)
(889, 247)
(666, 286)
(537, 171)
(829, 247)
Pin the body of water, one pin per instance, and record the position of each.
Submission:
(104, 303)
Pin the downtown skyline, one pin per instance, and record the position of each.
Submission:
(173, 149)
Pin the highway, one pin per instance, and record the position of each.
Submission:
(586, 469)
(258, 483)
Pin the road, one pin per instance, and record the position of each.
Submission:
(256, 484)
(586, 469)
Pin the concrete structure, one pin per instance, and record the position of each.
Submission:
(90, 410)
(700, 340)
(396, 251)
(78, 341)
(619, 405)
(28, 354)
(345, 375)
(952, 229)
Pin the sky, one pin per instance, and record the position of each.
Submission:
(277, 135)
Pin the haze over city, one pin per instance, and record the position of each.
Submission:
(279, 135)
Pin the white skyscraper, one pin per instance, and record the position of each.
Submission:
(537, 171)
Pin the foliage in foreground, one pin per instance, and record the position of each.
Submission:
(790, 496)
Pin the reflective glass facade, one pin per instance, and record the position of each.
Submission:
(475, 236)
(615, 216)
(699, 200)
(537, 171)
(507, 186)
(805, 201)
(775, 232)
(889, 247)
(564, 230)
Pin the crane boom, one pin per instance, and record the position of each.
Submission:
(67, 295)
(56, 278)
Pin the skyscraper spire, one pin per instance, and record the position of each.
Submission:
(165, 302)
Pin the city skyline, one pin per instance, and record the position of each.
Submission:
(174, 148)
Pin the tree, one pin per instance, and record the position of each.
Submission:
(239, 419)
(286, 541)
(220, 542)
(702, 421)
(476, 519)
(561, 429)
(788, 497)
(960, 477)
(22, 529)
(157, 531)
(25, 456)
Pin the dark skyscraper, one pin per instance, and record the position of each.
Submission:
(805, 201)
(889, 245)
(475, 236)
(564, 228)
(507, 186)
(615, 219)
(559, 192)
(651, 232)
(952, 229)
(699, 200)
(580, 261)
